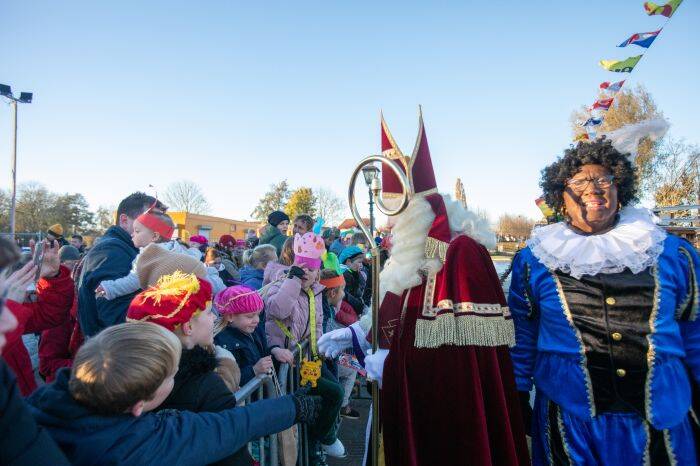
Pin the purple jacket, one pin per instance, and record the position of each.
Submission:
(287, 302)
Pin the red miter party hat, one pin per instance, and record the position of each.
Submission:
(391, 186)
(422, 180)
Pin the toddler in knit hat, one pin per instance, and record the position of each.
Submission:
(240, 308)
(151, 227)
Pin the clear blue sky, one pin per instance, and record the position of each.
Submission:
(238, 95)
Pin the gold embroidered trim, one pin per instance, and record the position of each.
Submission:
(582, 348)
(669, 448)
(647, 447)
(466, 330)
(549, 435)
(562, 434)
(692, 291)
(479, 308)
(651, 352)
(436, 248)
(428, 309)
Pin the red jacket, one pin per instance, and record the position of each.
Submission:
(58, 345)
(54, 300)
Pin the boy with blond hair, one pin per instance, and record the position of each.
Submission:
(100, 412)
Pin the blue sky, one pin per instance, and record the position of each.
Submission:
(238, 95)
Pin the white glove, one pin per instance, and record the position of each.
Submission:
(374, 365)
(333, 343)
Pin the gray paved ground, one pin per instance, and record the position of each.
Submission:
(352, 434)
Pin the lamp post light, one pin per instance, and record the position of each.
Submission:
(371, 174)
(24, 98)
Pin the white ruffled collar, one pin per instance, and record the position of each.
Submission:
(635, 243)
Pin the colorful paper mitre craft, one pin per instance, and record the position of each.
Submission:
(666, 10)
(172, 301)
(308, 250)
(621, 66)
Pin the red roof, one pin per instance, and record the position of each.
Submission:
(351, 223)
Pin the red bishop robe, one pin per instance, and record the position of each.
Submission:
(449, 395)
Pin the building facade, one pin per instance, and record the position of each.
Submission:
(212, 228)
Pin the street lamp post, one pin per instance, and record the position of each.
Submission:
(371, 174)
(24, 98)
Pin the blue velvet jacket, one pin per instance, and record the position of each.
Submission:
(618, 342)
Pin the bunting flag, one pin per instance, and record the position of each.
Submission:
(666, 10)
(602, 104)
(621, 66)
(544, 207)
(593, 121)
(612, 87)
(581, 137)
(642, 39)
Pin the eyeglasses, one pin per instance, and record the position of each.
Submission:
(580, 184)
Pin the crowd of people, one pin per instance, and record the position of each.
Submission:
(145, 339)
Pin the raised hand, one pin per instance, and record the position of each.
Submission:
(51, 262)
(18, 282)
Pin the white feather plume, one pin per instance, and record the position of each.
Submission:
(626, 139)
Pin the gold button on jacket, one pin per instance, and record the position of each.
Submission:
(616, 336)
(621, 372)
(610, 300)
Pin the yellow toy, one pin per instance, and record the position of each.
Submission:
(310, 372)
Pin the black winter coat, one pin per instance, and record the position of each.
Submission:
(198, 388)
(248, 349)
(22, 441)
(354, 288)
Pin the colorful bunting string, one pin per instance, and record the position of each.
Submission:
(641, 39)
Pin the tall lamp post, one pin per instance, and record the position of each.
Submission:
(371, 174)
(24, 98)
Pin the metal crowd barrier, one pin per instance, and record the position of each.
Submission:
(263, 387)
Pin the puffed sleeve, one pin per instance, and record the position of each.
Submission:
(687, 311)
(526, 320)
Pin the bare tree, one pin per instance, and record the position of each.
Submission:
(514, 227)
(675, 173)
(187, 196)
(329, 206)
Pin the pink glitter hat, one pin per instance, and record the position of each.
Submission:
(308, 250)
(238, 299)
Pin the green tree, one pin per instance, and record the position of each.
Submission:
(73, 212)
(302, 201)
(630, 106)
(35, 208)
(274, 199)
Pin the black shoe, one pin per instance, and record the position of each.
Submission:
(349, 413)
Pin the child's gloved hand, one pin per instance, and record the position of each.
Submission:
(297, 272)
(308, 406)
(263, 366)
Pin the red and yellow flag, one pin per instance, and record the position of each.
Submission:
(666, 9)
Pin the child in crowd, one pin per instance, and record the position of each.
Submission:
(332, 301)
(240, 309)
(151, 227)
(101, 412)
(303, 224)
(198, 245)
(181, 303)
(294, 308)
(213, 259)
(252, 274)
(352, 261)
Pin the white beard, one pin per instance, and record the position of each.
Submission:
(407, 264)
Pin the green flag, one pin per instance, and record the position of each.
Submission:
(621, 66)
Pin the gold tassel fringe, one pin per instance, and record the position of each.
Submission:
(446, 329)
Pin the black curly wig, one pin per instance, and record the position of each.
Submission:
(599, 152)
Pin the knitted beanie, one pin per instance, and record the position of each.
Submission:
(56, 230)
(238, 299)
(154, 262)
(68, 253)
(277, 217)
(349, 253)
(199, 239)
(227, 241)
(172, 301)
